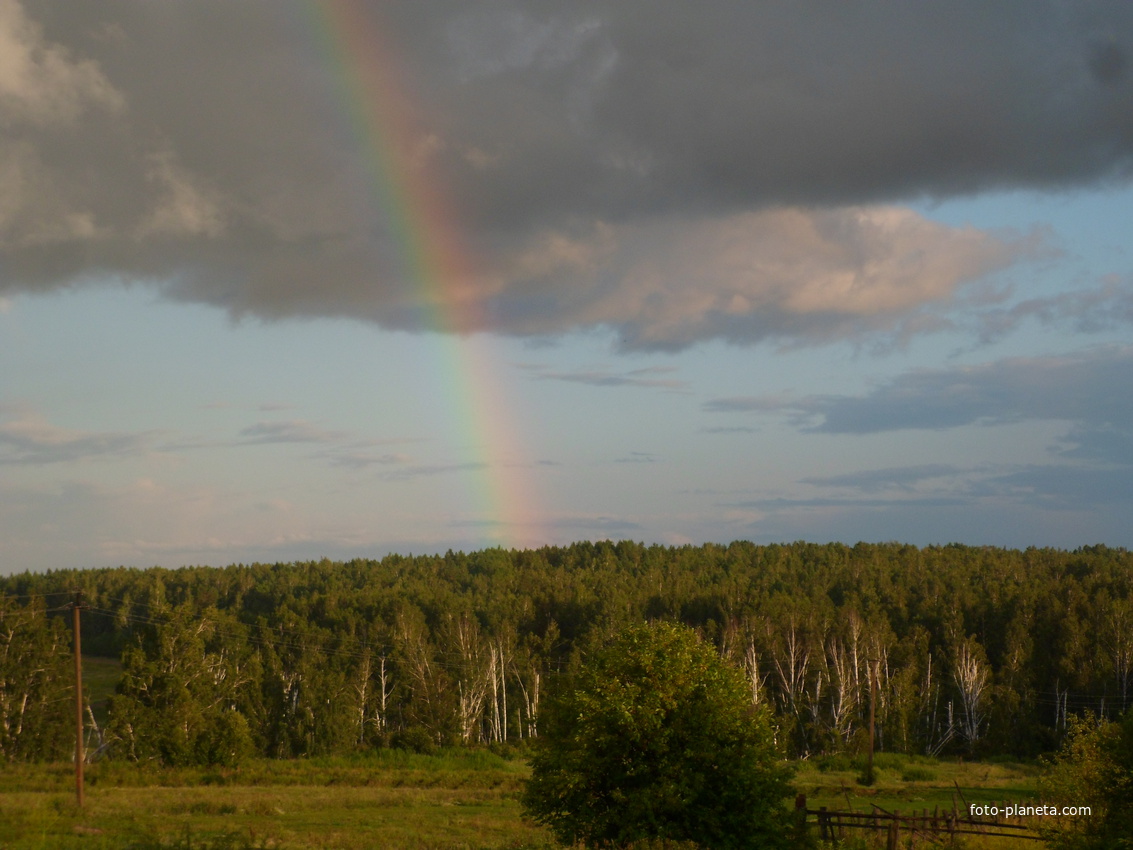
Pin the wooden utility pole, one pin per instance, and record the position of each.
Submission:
(872, 703)
(80, 750)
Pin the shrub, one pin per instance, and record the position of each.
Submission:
(416, 739)
(656, 740)
(1093, 768)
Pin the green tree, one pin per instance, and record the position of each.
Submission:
(1094, 768)
(657, 738)
(36, 685)
(177, 700)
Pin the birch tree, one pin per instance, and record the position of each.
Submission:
(36, 690)
(971, 677)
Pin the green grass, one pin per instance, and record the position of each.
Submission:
(395, 799)
(389, 798)
(909, 784)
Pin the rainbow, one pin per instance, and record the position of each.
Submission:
(435, 261)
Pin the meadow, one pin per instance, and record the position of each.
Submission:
(391, 798)
(458, 798)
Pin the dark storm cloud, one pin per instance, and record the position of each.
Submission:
(672, 171)
(1092, 388)
(651, 104)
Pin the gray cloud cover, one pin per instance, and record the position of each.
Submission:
(674, 172)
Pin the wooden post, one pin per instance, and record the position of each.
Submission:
(894, 833)
(80, 750)
(800, 818)
(872, 701)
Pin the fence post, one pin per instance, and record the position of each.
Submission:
(894, 832)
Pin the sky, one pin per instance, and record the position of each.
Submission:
(282, 280)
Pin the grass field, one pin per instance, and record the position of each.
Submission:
(395, 799)
(906, 783)
(387, 799)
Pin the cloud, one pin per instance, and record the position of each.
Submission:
(1065, 487)
(1051, 486)
(293, 431)
(605, 378)
(902, 478)
(779, 504)
(1107, 443)
(621, 105)
(431, 469)
(746, 404)
(1087, 310)
(789, 273)
(1093, 388)
(342, 449)
(29, 439)
(730, 172)
(639, 457)
(595, 526)
(978, 522)
(41, 83)
(354, 459)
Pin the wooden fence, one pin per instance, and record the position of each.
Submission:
(933, 827)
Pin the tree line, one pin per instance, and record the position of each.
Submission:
(974, 650)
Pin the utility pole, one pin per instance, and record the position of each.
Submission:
(872, 703)
(80, 750)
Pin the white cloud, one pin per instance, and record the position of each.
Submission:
(789, 272)
(42, 83)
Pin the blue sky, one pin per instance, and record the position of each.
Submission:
(726, 293)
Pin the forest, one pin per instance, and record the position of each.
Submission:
(971, 651)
